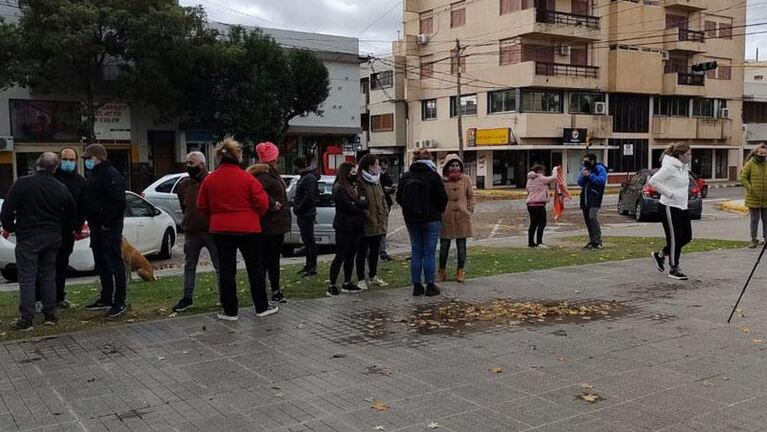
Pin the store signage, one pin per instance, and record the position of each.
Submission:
(574, 136)
(489, 137)
(113, 122)
(628, 149)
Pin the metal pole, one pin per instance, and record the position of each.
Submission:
(747, 282)
(458, 97)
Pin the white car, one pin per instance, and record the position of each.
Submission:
(148, 228)
(324, 233)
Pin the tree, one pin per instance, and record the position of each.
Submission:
(309, 87)
(8, 45)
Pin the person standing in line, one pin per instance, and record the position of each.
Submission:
(235, 202)
(38, 209)
(753, 177)
(423, 199)
(592, 180)
(672, 181)
(376, 222)
(305, 209)
(276, 222)
(389, 188)
(349, 225)
(456, 219)
(104, 211)
(537, 198)
(196, 226)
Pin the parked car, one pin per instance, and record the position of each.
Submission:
(326, 212)
(702, 184)
(148, 228)
(639, 199)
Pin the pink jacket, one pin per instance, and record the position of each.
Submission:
(538, 188)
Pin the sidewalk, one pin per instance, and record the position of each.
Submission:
(665, 360)
(612, 189)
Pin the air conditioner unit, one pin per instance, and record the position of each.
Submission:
(666, 55)
(419, 145)
(600, 108)
(428, 144)
(564, 50)
(6, 143)
(422, 39)
(724, 113)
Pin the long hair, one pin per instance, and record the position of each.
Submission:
(676, 150)
(229, 150)
(422, 154)
(342, 178)
(753, 152)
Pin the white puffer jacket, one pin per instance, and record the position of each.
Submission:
(673, 183)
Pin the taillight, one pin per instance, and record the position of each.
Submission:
(695, 191)
(85, 233)
(649, 191)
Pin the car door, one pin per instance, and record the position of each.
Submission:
(132, 222)
(164, 197)
(326, 212)
(143, 230)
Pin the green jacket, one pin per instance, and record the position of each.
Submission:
(377, 212)
(754, 180)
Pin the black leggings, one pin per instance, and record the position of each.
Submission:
(346, 249)
(368, 249)
(676, 224)
(444, 252)
(537, 225)
(272, 250)
(249, 246)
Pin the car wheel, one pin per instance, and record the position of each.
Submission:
(704, 192)
(696, 216)
(621, 208)
(10, 274)
(167, 245)
(638, 214)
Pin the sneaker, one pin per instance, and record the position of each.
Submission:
(659, 261)
(50, 320)
(22, 326)
(66, 304)
(116, 310)
(597, 247)
(271, 310)
(378, 281)
(182, 305)
(363, 285)
(309, 273)
(98, 305)
(279, 297)
(332, 291)
(418, 290)
(589, 246)
(534, 246)
(542, 246)
(351, 288)
(224, 317)
(677, 274)
(753, 244)
(432, 290)
(386, 258)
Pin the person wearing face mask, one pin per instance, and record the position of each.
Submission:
(376, 221)
(672, 181)
(456, 219)
(305, 202)
(196, 226)
(592, 180)
(349, 225)
(104, 211)
(753, 177)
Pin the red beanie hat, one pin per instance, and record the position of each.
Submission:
(267, 152)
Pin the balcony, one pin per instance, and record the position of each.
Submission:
(635, 71)
(562, 69)
(713, 128)
(684, 84)
(674, 127)
(756, 133)
(679, 39)
(564, 18)
(540, 125)
(551, 23)
(693, 5)
(560, 75)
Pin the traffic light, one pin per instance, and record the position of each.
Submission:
(703, 67)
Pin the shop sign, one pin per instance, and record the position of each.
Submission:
(113, 122)
(628, 149)
(574, 136)
(490, 137)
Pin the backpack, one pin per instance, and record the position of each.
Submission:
(415, 198)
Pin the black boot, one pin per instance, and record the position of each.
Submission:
(432, 290)
(418, 290)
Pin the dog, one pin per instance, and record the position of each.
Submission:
(134, 261)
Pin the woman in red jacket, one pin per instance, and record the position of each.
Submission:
(235, 202)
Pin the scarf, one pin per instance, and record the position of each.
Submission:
(429, 163)
(455, 176)
(371, 178)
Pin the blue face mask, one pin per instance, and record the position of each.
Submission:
(90, 164)
(68, 166)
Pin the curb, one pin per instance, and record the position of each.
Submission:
(499, 195)
(737, 207)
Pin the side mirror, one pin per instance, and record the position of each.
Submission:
(157, 212)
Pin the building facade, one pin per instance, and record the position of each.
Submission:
(754, 106)
(547, 81)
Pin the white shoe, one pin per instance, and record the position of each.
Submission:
(271, 311)
(224, 317)
(378, 281)
(542, 246)
(363, 285)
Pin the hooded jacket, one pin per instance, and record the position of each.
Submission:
(104, 197)
(350, 210)
(754, 180)
(456, 219)
(431, 204)
(672, 181)
(377, 211)
(274, 222)
(538, 188)
(593, 187)
(307, 194)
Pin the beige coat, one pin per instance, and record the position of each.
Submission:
(377, 211)
(456, 220)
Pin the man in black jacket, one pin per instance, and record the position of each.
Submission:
(38, 209)
(104, 211)
(389, 189)
(305, 208)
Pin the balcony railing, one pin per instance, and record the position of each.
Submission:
(691, 36)
(545, 68)
(689, 79)
(564, 18)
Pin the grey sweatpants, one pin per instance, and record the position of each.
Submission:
(193, 245)
(36, 260)
(591, 217)
(756, 214)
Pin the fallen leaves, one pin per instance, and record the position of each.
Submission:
(745, 330)
(497, 371)
(434, 425)
(379, 406)
(590, 397)
(757, 341)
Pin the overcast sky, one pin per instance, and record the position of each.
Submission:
(376, 21)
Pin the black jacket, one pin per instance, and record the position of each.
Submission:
(432, 200)
(307, 195)
(38, 205)
(350, 211)
(274, 222)
(388, 185)
(105, 197)
(76, 185)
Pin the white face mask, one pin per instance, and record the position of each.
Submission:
(686, 159)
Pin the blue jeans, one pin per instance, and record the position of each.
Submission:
(423, 248)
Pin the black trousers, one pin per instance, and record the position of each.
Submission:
(676, 224)
(249, 246)
(272, 250)
(346, 249)
(107, 255)
(306, 226)
(537, 225)
(36, 259)
(62, 264)
(369, 250)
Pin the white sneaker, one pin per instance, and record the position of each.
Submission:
(542, 246)
(224, 317)
(271, 311)
(378, 281)
(363, 285)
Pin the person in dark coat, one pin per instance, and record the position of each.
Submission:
(104, 211)
(592, 180)
(38, 209)
(376, 222)
(305, 209)
(276, 222)
(423, 199)
(349, 224)
(389, 189)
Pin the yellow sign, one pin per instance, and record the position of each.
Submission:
(490, 137)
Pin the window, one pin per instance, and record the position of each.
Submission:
(382, 80)
(754, 112)
(541, 101)
(382, 123)
(457, 14)
(427, 24)
(710, 29)
(365, 119)
(725, 73)
(166, 186)
(507, 6)
(502, 101)
(676, 21)
(725, 31)
(627, 155)
(468, 105)
(45, 121)
(365, 85)
(429, 109)
(672, 106)
(137, 207)
(583, 102)
(511, 52)
(427, 67)
(758, 77)
(454, 64)
(721, 163)
(631, 113)
(702, 107)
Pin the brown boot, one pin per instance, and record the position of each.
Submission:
(442, 275)
(460, 276)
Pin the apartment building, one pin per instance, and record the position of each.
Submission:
(547, 81)
(754, 106)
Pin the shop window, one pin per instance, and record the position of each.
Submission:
(502, 101)
(541, 101)
(702, 163)
(468, 105)
(627, 155)
(722, 163)
(45, 121)
(584, 102)
(672, 106)
(702, 107)
(429, 109)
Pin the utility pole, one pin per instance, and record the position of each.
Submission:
(458, 97)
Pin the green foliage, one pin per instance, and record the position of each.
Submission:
(8, 54)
